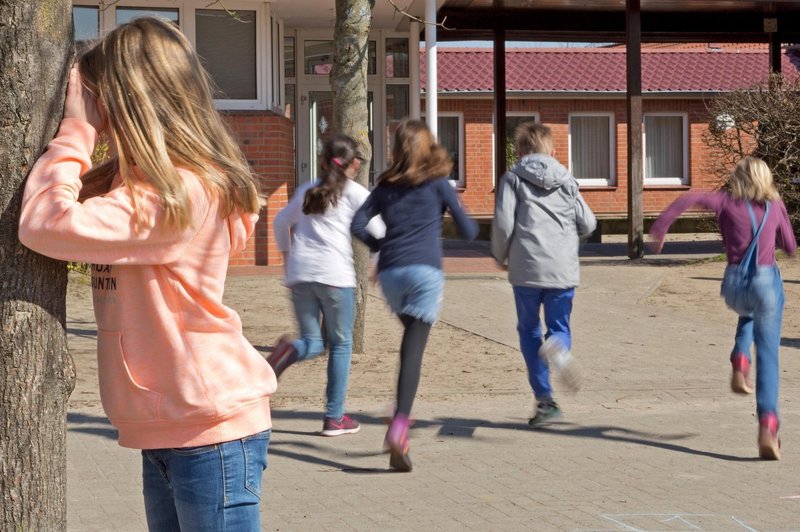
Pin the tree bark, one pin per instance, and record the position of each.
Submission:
(351, 116)
(36, 371)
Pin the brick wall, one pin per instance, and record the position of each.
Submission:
(479, 182)
(267, 140)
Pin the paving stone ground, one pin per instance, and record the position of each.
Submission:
(653, 441)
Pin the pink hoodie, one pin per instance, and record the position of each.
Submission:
(175, 369)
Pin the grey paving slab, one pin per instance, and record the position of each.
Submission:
(653, 441)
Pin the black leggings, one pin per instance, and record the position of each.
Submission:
(415, 336)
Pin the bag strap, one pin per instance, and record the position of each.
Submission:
(751, 249)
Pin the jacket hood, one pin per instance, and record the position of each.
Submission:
(541, 170)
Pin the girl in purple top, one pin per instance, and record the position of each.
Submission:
(751, 182)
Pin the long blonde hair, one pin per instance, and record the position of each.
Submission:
(417, 156)
(161, 117)
(752, 180)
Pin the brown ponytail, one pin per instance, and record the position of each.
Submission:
(338, 153)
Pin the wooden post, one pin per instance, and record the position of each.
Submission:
(633, 40)
(499, 101)
(775, 52)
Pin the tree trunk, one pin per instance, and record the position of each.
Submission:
(350, 116)
(36, 372)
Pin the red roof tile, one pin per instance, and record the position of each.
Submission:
(603, 69)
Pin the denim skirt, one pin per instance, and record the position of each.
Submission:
(414, 290)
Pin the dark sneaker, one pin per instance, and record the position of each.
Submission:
(337, 427)
(283, 355)
(397, 443)
(769, 445)
(562, 362)
(740, 377)
(546, 411)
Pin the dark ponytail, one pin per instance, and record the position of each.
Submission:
(338, 153)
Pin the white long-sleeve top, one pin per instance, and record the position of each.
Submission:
(319, 246)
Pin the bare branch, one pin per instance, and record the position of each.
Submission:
(235, 16)
(405, 13)
(762, 121)
(105, 4)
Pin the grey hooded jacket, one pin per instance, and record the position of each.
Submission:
(539, 218)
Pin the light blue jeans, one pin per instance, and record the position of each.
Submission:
(213, 488)
(334, 305)
(763, 328)
(557, 303)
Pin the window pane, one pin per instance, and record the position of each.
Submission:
(288, 110)
(511, 127)
(396, 58)
(318, 57)
(590, 145)
(277, 70)
(396, 110)
(227, 46)
(663, 146)
(288, 57)
(448, 137)
(86, 23)
(126, 14)
(372, 58)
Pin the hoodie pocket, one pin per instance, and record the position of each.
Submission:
(123, 398)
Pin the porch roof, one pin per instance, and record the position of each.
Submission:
(677, 69)
(604, 20)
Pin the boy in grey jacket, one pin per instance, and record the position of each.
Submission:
(539, 218)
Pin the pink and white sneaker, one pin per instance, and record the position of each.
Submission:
(337, 427)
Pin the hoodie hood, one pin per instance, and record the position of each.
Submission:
(542, 171)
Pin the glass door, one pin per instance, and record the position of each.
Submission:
(317, 106)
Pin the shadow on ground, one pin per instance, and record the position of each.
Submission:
(308, 451)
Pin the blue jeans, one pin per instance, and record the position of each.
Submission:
(414, 290)
(335, 305)
(557, 303)
(213, 488)
(763, 328)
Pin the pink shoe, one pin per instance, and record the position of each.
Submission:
(740, 377)
(283, 355)
(396, 442)
(337, 427)
(769, 445)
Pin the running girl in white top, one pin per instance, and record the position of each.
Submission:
(313, 233)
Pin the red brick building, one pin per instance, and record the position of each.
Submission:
(580, 94)
(270, 66)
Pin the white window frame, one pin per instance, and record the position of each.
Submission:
(461, 181)
(672, 180)
(302, 35)
(186, 14)
(612, 147)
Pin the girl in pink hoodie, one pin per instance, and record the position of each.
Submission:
(158, 221)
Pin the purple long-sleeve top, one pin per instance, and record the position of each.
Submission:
(735, 225)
